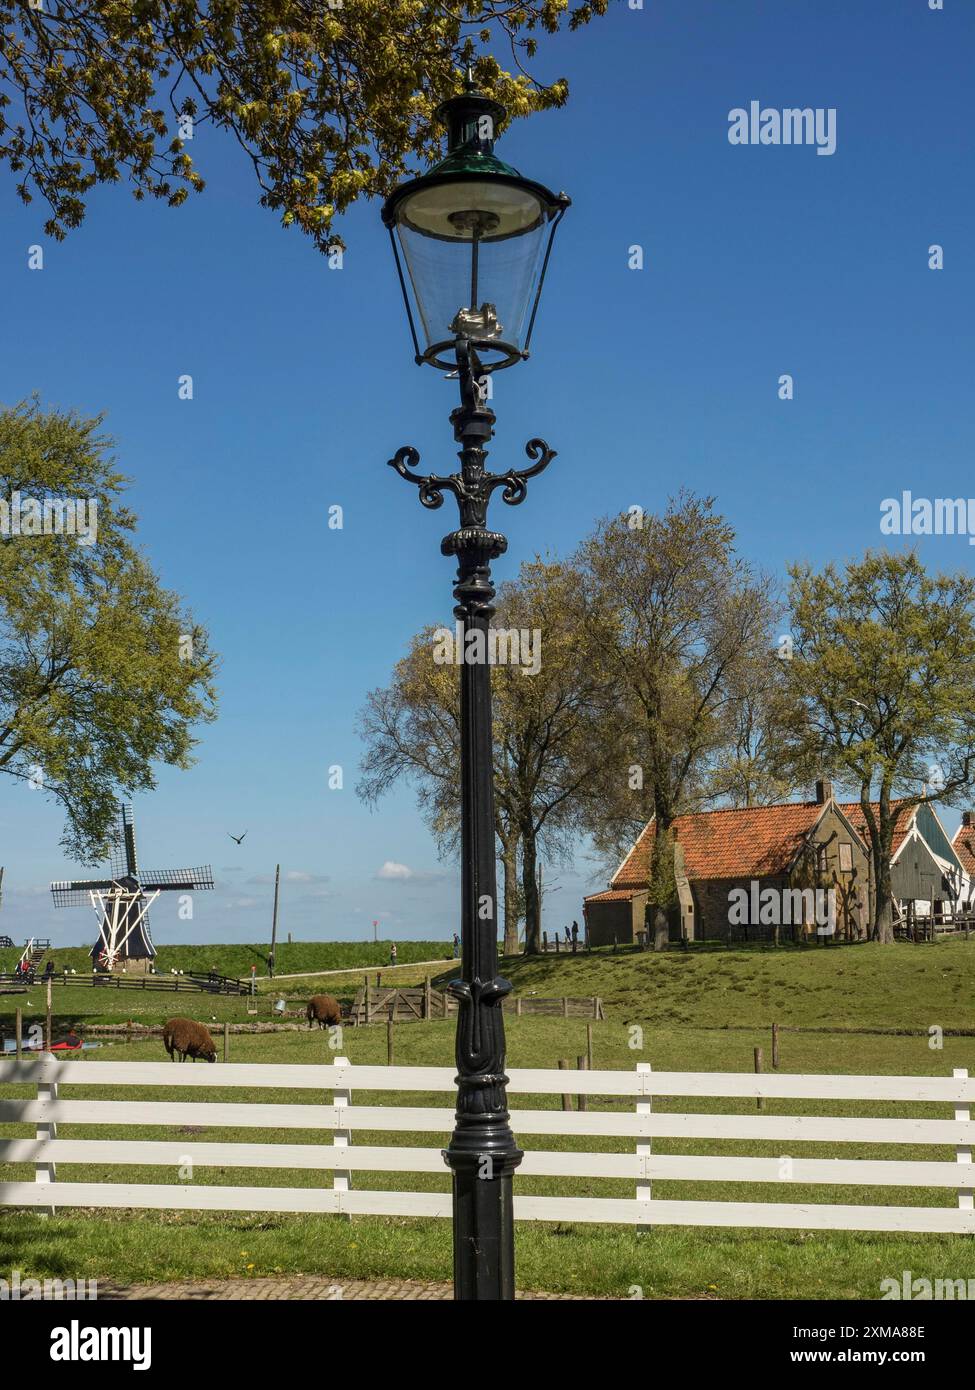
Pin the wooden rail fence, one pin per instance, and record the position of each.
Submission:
(378, 1005)
(636, 1128)
(158, 984)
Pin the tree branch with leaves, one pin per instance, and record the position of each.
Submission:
(102, 670)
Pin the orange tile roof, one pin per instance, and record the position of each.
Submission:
(750, 842)
(854, 814)
(614, 895)
(963, 843)
(746, 843)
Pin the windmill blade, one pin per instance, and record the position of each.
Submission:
(75, 892)
(117, 855)
(176, 880)
(128, 835)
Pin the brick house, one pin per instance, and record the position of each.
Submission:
(727, 858)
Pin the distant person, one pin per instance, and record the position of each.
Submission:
(456, 945)
(392, 954)
(270, 965)
(575, 931)
(49, 970)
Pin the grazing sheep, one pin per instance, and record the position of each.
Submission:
(323, 1010)
(188, 1039)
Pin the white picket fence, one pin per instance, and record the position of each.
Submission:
(639, 1126)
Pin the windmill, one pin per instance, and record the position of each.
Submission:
(122, 901)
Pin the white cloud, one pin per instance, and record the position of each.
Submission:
(402, 873)
(393, 870)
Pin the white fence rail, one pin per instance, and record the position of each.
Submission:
(342, 1158)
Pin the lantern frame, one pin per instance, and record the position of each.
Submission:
(470, 159)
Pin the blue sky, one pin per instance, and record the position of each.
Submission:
(759, 261)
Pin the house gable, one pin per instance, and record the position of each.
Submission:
(935, 835)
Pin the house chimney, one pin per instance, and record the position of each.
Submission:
(824, 791)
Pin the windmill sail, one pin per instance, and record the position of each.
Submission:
(122, 899)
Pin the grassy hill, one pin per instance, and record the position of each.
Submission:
(236, 959)
(849, 986)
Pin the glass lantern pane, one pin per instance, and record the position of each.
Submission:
(479, 288)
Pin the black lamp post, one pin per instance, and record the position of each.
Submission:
(475, 238)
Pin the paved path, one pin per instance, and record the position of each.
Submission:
(365, 969)
(312, 1287)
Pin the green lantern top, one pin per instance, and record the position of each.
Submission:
(472, 233)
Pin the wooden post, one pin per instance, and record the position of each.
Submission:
(589, 1057)
(966, 1195)
(47, 1042)
(518, 1007)
(226, 1042)
(544, 940)
(47, 1094)
(274, 915)
(565, 1007)
(427, 1000)
(583, 1064)
(566, 1100)
(389, 1038)
(775, 1046)
(342, 1138)
(759, 1065)
(644, 1148)
(19, 1032)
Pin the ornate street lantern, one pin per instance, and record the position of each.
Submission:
(475, 238)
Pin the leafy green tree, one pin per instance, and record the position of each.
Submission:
(688, 625)
(545, 748)
(328, 99)
(102, 673)
(883, 690)
(411, 729)
(752, 769)
(548, 724)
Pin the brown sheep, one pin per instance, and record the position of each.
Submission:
(323, 1010)
(188, 1039)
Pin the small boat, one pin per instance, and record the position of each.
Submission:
(72, 1043)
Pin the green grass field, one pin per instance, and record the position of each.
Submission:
(702, 1011)
(236, 960)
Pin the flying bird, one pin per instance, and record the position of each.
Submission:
(237, 838)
